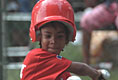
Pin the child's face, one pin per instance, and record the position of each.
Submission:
(53, 38)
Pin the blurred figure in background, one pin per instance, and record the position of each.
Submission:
(12, 6)
(103, 16)
(26, 5)
(20, 5)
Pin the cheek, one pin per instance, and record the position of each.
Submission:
(44, 43)
(62, 43)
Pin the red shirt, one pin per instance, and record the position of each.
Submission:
(42, 65)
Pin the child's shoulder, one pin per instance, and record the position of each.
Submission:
(35, 51)
(39, 52)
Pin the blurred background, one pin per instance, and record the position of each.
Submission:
(15, 16)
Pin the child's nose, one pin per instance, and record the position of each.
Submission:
(53, 40)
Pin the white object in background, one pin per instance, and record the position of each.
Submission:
(105, 74)
(78, 38)
(74, 78)
(106, 65)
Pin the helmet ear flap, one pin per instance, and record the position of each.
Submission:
(32, 33)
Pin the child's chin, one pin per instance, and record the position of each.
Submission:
(54, 51)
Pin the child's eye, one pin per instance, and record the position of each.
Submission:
(47, 36)
(60, 36)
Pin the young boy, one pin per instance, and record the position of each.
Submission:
(52, 24)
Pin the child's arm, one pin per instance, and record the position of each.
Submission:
(83, 69)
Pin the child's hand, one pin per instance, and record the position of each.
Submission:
(97, 76)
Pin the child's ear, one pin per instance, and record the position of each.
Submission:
(38, 38)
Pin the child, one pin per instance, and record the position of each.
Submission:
(52, 24)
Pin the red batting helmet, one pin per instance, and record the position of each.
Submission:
(46, 11)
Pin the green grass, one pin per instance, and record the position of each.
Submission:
(114, 74)
(71, 52)
(13, 74)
